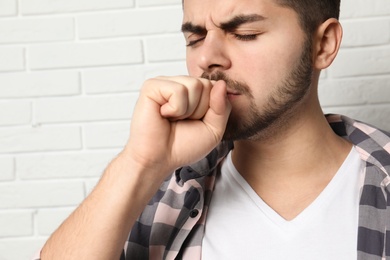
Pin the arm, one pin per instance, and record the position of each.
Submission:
(170, 113)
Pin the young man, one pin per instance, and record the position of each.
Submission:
(286, 182)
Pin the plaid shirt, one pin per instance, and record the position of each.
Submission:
(172, 224)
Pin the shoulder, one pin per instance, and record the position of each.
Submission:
(372, 143)
(363, 135)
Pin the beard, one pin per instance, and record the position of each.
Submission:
(261, 123)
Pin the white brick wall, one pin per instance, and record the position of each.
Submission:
(70, 71)
(36, 30)
(8, 7)
(11, 59)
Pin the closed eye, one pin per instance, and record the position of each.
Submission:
(193, 42)
(245, 37)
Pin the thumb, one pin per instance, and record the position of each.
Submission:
(218, 114)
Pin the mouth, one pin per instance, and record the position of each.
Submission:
(231, 92)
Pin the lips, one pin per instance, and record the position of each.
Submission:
(231, 92)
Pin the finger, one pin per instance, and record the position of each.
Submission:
(202, 106)
(217, 116)
(186, 97)
(175, 97)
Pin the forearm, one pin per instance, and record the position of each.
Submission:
(99, 227)
(170, 114)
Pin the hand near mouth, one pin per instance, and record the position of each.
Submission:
(177, 121)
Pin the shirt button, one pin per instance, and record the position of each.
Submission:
(194, 213)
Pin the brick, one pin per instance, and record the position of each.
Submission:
(128, 79)
(39, 84)
(377, 90)
(48, 220)
(65, 6)
(8, 7)
(20, 248)
(158, 2)
(27, 139)
(11, 59)
(52, 56)
(361, 62)
(60, 166)
(15, 113)
(354, 91)
(41, 194)
(366, 32)
(113, 135)
(36, 30)
(117, 24)
(7, 169)
(167, 48)
(85, 109)
(16, 223)
(363, 8)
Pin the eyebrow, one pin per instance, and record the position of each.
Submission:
(228, 26)
(196, 29)
(239, 20)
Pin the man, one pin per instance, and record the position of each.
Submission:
(286, 182)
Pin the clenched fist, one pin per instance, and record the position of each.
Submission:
(177, 121)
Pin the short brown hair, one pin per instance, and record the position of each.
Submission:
(312, 13)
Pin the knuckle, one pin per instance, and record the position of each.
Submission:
(149, 83)
(181, 90)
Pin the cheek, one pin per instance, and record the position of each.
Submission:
(270, 63)
(192, 69)
(258, 68)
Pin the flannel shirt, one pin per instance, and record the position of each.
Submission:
(172, 224)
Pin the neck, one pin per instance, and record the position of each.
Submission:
(303, 146)
(302, 141)
(299, 161)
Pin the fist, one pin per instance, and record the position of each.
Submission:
(177, 121)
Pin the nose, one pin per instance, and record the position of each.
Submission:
(213, 53)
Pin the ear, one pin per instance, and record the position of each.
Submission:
(327, 42)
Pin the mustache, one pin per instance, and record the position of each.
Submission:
(237, 86)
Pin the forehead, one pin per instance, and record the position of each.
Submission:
(201, 11)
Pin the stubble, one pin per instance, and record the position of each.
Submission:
(281, 105)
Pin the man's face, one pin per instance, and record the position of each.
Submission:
(259, 49)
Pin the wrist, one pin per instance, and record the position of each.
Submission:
(141, 174)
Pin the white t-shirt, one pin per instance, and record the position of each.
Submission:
(240, 225)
